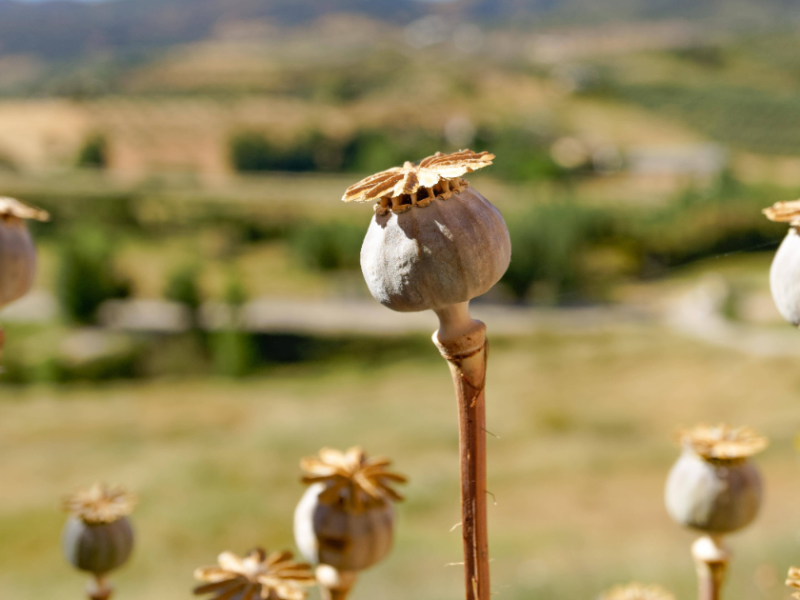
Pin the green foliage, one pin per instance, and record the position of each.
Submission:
(329, 246)
(183, 286)
(87, 276)
(93, 153)
(233, 352)
(251, 151)
(526, 154)
(370, 150)
(753, 119)
(548, 241)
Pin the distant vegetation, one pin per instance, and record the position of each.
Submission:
(526, 154)
(94, 153)
(758, 120)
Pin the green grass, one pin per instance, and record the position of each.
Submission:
(584, 423)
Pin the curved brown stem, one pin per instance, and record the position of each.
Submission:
(335, 584)
(99, 589)
(711, 561)
(462, 342)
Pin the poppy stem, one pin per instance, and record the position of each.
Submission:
(462, 342)
(335, 584)
(711, 561)
(99, 589)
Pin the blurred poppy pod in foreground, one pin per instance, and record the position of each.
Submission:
(97, 536)
(714, 488)
(257, 576)
(345, 521)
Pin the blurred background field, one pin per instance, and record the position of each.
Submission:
(200, 322)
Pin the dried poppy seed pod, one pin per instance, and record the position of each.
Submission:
(17, 252)
(784, 275)
(97, 536)
(454, 250)
(345, 520)
(435, 243)
(713, 488)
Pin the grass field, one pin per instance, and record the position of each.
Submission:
(584, 423)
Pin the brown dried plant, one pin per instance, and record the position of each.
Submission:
(793, 580)
(398, 188)
(637, 591)
(9, 207)
(99, 503)
(351, 478)
(258, 575)
(784, 212)
(722, 442)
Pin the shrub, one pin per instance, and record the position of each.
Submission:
(87, 276)
(329, 246)
(547, 242)
(183, 286)
(234, 353)
(251, 151)
(94, 153)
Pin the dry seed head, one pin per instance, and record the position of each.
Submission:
(351, 478)
(9, 207)
(793, 580)
(258, 575)
(722, 442)
(100, 503)
(784, 212)
(637, 591)
(400, 188)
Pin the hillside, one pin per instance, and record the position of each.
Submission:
(61, 29)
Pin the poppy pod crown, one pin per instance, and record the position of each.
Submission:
(256, 576)
(352, 480)
(454, 250)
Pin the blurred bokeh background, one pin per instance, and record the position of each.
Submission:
(200, 322)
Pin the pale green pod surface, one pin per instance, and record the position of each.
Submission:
(784, 278)
(714, 497)
(346, 539)
(17, 259)
(97, 547)
(445, 253)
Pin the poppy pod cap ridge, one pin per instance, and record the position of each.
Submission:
(784, 275)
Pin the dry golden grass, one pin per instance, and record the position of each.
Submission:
(585, 423)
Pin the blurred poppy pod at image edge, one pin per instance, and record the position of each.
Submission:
(17, 251)
(784, 275)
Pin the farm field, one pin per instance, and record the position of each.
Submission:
(585, 424)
